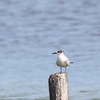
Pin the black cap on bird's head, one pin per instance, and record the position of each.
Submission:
(59, 51)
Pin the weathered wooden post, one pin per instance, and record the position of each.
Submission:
(58, 86)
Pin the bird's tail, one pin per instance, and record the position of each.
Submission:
(71, 62)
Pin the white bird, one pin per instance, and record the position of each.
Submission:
(62, 60)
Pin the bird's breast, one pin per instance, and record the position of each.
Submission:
(63, 62)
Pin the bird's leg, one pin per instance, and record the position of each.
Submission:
(65, 69)
(60, 69)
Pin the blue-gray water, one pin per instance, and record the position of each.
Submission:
(30, 30)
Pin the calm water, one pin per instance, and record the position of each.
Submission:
(30, 30)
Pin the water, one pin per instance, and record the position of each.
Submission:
(30, 30)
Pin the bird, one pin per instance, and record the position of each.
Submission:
(62, 60)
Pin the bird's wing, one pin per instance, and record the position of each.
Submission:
(66, 63)
(57, 63)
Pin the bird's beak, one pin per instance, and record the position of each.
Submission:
(54, 53)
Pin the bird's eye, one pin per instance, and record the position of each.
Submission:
(58, 51)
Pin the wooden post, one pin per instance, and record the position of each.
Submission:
(58, 86)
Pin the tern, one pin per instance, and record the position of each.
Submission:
(62, 60)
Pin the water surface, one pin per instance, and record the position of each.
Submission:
(31, 30)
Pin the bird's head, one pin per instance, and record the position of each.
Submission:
(58, 52)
